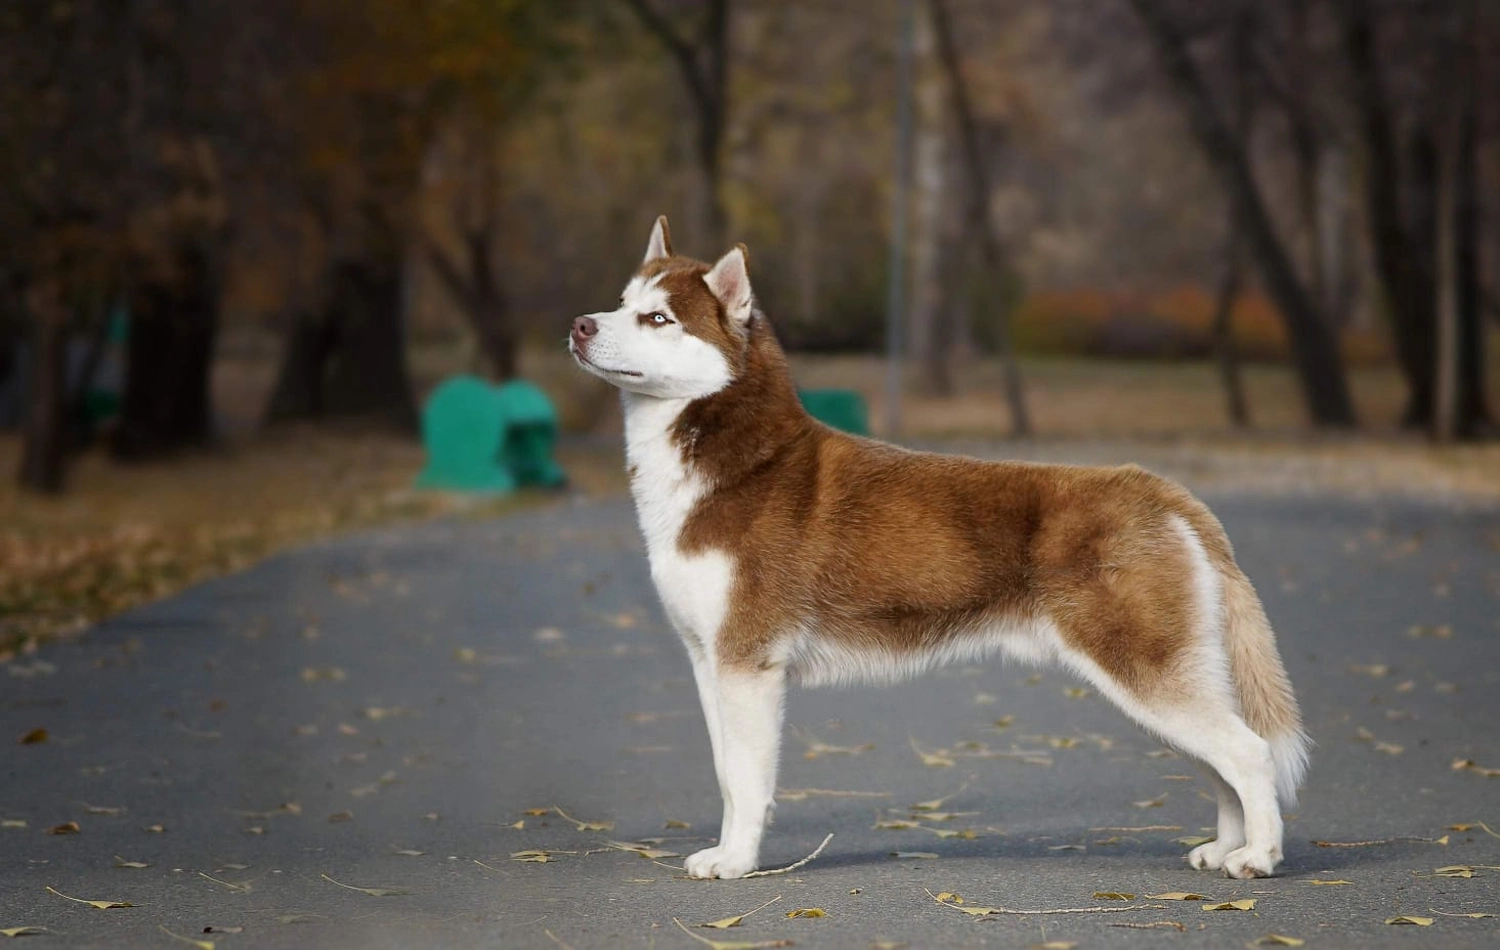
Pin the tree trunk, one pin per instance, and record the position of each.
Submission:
(366, 374)
(1403, 268)
(1225, 351)
(703, 61)
(44, 451)
(478, 293)
(928, 214)
(1315, 352)
(977, 217)
(299, 381)
(1473, 402)
(167, 404)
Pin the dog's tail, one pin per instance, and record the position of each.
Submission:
(1265, 693)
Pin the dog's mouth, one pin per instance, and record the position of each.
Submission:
(580, 357)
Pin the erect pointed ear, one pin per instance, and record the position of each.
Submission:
(660, 243)
(730, 282)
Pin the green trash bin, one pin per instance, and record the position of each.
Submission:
(841, 408)
(489, 439)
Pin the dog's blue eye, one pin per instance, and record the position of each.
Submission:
(658, 318)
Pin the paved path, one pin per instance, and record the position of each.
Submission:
(384, 712)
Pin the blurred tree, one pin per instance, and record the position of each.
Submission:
(979, 228)
(376, 89)
(1315, 350)
(702, 57)
(1400, 137)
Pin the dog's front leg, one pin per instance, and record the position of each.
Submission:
(749, 712)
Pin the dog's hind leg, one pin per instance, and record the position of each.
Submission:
(749, 708)
(1210, 856)
(1219, 738)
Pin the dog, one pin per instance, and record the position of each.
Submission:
(785, 551)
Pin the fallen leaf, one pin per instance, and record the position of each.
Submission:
(966, 834)
(915, 855)
(101, 905)
(407, 852)
(122, 863)
(1066, 847)
(727, 922)
(1389, 748)
(731, 944)
(1113, 896)
(100, 809)
(817, 748)
(947, 897)
(1321, 883)
(1192, 841)
(239, 888)
(66, 828)
(674, 823)
(223, 930)
(155, 829)
(331, 674)
(23, 931)
(372, 891)
(1280, 940)
(1406, 919)
(200, 944)
(644, 850)
(585, 825)
(1247, 904)
(531, 857)
(537, 812)
(33, 737)
(1474, 916)
(807, 912)
(896, 824)
(1468, 765)
(339, 816)
(1175, 896)
(1454, 870)
(1156, 802)
(12, 823)
(1053, 945)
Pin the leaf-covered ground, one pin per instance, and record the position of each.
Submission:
(124, 535)
(479, 733)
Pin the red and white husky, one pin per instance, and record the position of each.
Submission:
(784, 550)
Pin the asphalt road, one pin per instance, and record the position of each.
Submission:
(401, 711)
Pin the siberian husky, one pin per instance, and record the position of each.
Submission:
(783, 550)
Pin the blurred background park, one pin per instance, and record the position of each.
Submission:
(240, 243)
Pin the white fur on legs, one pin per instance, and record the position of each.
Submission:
(1210, 856)
(749, 712)
(708, 697)
(1222, 741)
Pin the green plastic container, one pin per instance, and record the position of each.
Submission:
(489, 439)
(841, 408)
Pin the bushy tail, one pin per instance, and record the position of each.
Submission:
(1265, 693)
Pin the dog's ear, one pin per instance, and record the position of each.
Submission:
(729, 280)
(660, 243)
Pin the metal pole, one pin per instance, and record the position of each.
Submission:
(895, 329)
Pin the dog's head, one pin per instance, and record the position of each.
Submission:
(680, 329)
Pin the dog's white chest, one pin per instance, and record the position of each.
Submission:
(694, 588)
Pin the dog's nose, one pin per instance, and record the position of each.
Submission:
(584, 327)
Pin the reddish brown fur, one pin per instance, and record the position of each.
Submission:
(899, 550)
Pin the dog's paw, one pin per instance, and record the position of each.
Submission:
(1210, 856)
(1250, 862)
(720, 863)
